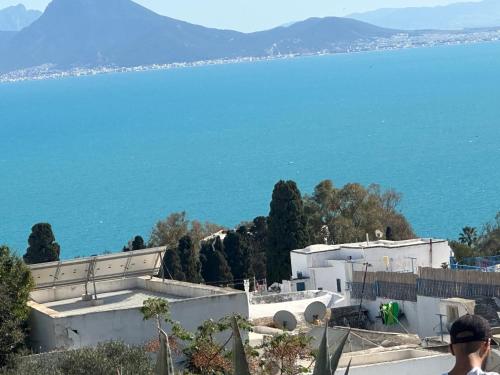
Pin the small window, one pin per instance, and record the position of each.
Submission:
(339, 286)
(301, 287)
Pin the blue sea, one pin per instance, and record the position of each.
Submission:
(103, 158)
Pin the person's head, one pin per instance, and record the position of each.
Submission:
(471, 338)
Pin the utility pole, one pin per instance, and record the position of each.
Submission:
(362, 293)
(441, 326)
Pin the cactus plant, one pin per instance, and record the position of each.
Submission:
(327, 364)
(164, 362)
(240, 363)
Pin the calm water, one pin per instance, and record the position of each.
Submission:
(103, 158)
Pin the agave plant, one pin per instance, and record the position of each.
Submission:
(164, 362)
(240, 363)
(327, 364)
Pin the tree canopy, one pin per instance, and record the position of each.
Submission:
(214, 266)
(287, 230)
(42, 246)
(137, 243)
(190, 260)
(347, 214)
(15, 286)
(474, 243)
(172, 267)
(169, 231)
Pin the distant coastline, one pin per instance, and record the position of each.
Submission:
(398, 42)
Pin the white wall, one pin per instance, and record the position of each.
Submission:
(428, 320)
(299, 264)
(421, 316)
(435, 365)
(399, 257)
(297, 307)
(408, 307)
(52, 330)
(326, 277)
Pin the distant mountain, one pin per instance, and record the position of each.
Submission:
(90, 33)
(457, 16)
(313, 35)
(17, 17)
(5, 36)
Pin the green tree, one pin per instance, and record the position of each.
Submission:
(214, 266)
(238, 250)
(461, 250)
(489, 241)
(172, 267)
(190, 261)
(169, 231)
(106, 358)
(136, 244)
(15, 286)
(347, 214)
(468, 236)
(42, 246)
(258, 234)
(287, 229)
(282, 353)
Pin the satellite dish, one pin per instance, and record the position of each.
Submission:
(314, 312)
(285, 320)
(379, 234)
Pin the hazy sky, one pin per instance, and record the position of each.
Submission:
(251, 15)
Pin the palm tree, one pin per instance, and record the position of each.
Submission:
(468, 236)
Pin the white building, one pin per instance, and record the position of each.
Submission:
(330, 267)
(86, 301)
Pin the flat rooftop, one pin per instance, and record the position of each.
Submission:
(118, 294)
(367, 245)
(117, 300)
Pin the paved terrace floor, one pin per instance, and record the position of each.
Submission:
(123, 299)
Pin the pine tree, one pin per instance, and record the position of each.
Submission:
(258, 233)
(15, 286)
(190, 261)
(138, 243)
(287, 230)
(214, 266)
(42, 246)
(172, 267)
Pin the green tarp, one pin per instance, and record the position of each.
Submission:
(390, 313)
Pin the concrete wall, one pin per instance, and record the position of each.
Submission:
(421, 316)
(399, 257)
(428, 309)
(52, 330)
(296, 306)
(322, 267)
(299, 264)
(434, 364)
(409, 309)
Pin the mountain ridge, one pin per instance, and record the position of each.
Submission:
(457, 16)
(91, 33)
(17, 17)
